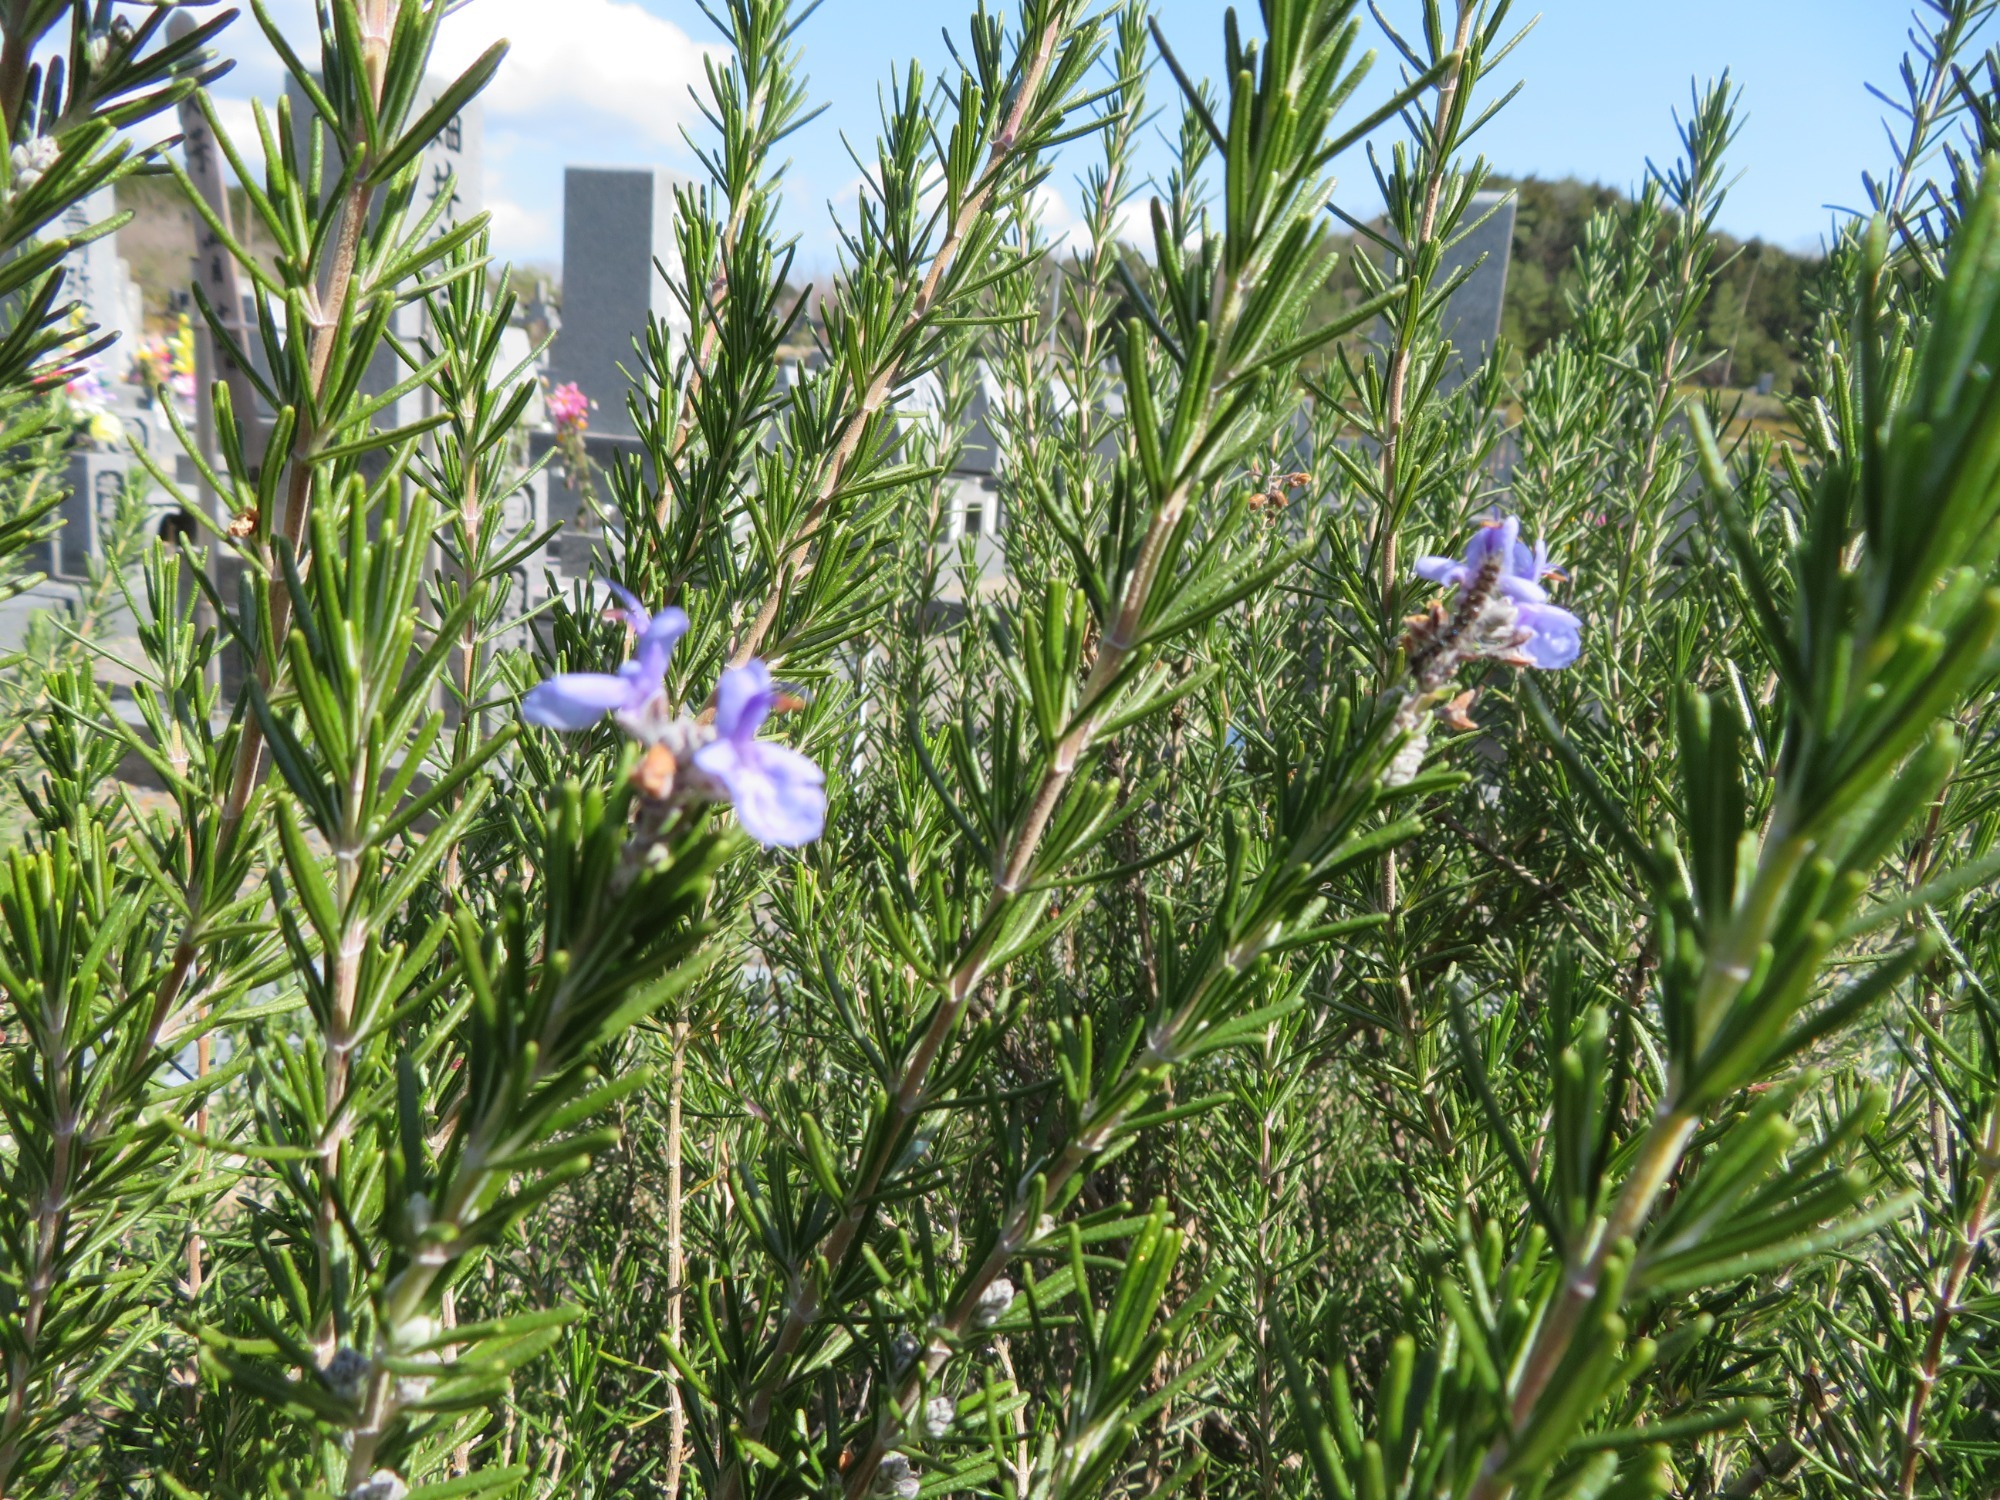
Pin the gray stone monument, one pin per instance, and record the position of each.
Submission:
(525, 509)
(451, 172)
(95, 481)
(98, 280)
(453, 166)
(616, 222)
(454, 163)
(1472, 317)
(452, 179)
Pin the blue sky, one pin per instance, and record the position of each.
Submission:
(605, 82)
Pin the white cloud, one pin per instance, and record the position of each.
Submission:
(1066, 230)
(518, 230)
(1060, 224)
(605, 57)
(1133, 224)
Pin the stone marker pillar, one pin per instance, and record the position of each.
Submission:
(616, 222)
(452, 177)
(101, 284)
(1472, 317)
(215, 273)
(451, 171)
(454, 163)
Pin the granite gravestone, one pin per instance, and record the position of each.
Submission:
(1472, 316)
(617, 221)
(452, 170)
(974, 478)
(451, 176)
(97, 279)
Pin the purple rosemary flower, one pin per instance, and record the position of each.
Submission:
(1500, 611)
(570, 701)
(1510, 617)
(779, 795)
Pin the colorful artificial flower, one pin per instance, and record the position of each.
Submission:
(86, 388)
(568, 407)
(180, 361)
(90, 410)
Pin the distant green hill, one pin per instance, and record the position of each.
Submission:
(1754, 319)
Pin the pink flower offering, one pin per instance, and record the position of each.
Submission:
(569, 408)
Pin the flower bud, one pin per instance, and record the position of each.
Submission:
(31, 159)
(902, 1350)
(381, 1485)
(939, 1413)
(1408, 761)
(346, 1373)
(993, 1303)
(417, 1331)
(895, 1477)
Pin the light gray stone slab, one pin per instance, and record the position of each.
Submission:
(96, 277)
(617, 221)
(1473, 315)
(451, 172)
(94, 482)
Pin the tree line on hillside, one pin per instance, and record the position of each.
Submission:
(1752, 323)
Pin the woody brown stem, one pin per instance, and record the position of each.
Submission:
(883, 382)
(965, 979)
(249, 749)
(51, 1222)
(1977, 1225)
(1398, 380)
(1387, 579)
(676, 1257)
(1084, 1146)
(471, 517)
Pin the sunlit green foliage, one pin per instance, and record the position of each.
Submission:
(1280, 1005)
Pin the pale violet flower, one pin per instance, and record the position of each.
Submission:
(779, 795)
(1545, 635)
(1499, 612)
(570, 701)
